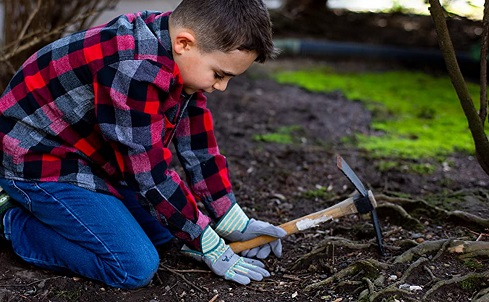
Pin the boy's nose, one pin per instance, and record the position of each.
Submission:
(221, 85)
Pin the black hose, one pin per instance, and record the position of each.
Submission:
(349, 49)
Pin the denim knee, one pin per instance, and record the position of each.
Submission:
(138, 271)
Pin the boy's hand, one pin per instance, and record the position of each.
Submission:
(236, 226)
(257, 228)
(224, 262)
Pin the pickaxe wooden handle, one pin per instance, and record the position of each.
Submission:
(346, 207)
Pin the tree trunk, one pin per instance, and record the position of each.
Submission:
(476, 126)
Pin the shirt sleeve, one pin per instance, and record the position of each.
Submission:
(206, 169)
(129, 96)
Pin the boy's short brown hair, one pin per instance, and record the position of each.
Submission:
(226, 25)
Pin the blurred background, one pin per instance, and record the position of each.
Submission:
(354, 35)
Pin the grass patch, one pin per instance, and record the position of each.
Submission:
(284, 135)
(415, 114)
(471, 284)
(408, 166)
(473, 263)
(318, 193)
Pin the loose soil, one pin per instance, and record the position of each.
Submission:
(279, 182)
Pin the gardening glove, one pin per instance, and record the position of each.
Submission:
(236, 226)
(221, 259)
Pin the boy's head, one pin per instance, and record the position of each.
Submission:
(226, 25)
(215, 40)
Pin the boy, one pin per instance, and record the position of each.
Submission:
(86, 124)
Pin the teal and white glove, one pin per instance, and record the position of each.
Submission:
(236, 226)
(221, 259)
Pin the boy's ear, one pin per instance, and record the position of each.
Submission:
(184, 40)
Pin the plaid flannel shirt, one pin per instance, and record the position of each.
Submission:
(99, 109)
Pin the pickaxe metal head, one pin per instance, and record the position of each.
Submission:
(362, 203)
(365, 201)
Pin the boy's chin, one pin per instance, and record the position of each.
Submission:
(193, 90)
(189, 90)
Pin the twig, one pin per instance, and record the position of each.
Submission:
(430, 272)
(214, 298)
(181, 276)
(29, 284)
(370, 285)
(479, 235)
(28, 23)
(159, 279)
(56, 31)
(184, 271)
(291, 277)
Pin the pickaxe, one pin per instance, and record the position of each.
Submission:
(362, 203)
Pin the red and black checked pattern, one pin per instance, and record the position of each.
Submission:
(98, 108)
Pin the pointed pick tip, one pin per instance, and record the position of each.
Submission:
(339, 161)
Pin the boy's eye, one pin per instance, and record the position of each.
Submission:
(218, 76)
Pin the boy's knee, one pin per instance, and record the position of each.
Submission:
(138, 271)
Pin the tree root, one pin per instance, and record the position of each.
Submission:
(326, 250)
(471, 277)
(369, 275)
(428, 263)
(369, 266)
(482, 296)
(422, 249)
(465, 218)
(470, 249)
(399, 216)
(421, 206)
(389, 292)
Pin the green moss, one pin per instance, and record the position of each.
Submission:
(472, 263)
(471, 284)
(415, 115)
(319, 193)
(283, 135)
(419, 168)
(423, 168)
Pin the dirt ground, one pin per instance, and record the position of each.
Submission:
(337, 261)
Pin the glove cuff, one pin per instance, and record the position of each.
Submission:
(234, 220)
(209, 240)
(218, 256)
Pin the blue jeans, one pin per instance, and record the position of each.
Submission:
(65, 228)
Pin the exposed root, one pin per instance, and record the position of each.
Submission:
(421, 206)
(482, 296)
(388, 292)
(465, 218)
(325, 249)
(399, 216)
(369, 267)
(471, 277)
(369, 274)
(429, 271)
(435, 264)
(420, 250)
(412, 206)
(470, 249)
(411, 268)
